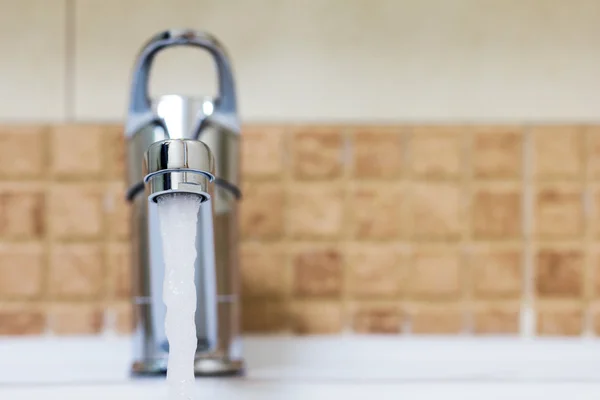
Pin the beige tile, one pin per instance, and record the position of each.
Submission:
(559, 272)
(22, 320)
(75, 211)
(262, 210)
(436, 151)
(593, 150)
(117, 211)
(435, 273)
(21, 269)
(264, 317)
(76, 150)
(114, 145)
(124, 318)
(317, 318)
(552, 143)
(264, 270)
(377, 318)
(118, 264)
(594, 272)
(23, 151)
(436, 211)
(262, 150)
(76, 271)
(559, 319)
(495, 319)
(496, 213)
(559, 211)
(378, 152)
(33, 75)
(22, 212)
(595, 215)
(375, 270)
(317, 152)
(76, 319)
(442, 319)
(377, 211)
(317, 271)
(315, 211)
(497, 152)
(496, 272)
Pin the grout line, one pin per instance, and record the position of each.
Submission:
(467, 202)
(528, 320)
(286, 177)
(345, 236)
(70, 43)
(588, 216)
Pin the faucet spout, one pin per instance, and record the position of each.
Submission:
(187, 166)
(179, 165)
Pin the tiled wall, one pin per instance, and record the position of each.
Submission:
(371, 229)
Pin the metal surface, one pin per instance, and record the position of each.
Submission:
(215, 123)
(178, 165)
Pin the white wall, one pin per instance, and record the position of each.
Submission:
(351, 60)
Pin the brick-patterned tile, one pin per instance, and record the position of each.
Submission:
(264, 317)
(442, 319)
(594, 309)
(21, 267)
(262, 210)
(595, 215)
(375, 270)
(315, 211)
(117, 212)
(22, 213)
(123, 318)
(317, 318)
(317, 271)
(76, 271)
(435, 273)
(559, 211)
(436, 152)
(497, 152)
(496, 319)
(75, 211)
(23, 150)
(377, 212)
(76, 319)
(496, 272)
(22, 320)
(558, 151)
(377, 318)
(559, 272)
(262, 151)
(559, 319)
(594, 272)
(114, 151)
(593, 147)
(118, 263)
(263, 270)
(436, 211)
(77, 150)
(378, 153)
(317, 153)
(496, 213)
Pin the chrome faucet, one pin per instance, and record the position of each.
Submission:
(181, 144)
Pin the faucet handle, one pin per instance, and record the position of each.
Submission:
(140, 103)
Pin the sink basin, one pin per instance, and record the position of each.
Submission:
(348, 367)
(239, 389)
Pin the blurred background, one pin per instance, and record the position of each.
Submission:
(409, 167)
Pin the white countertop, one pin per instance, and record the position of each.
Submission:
(348, 367)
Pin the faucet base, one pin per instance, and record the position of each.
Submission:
(202, 367)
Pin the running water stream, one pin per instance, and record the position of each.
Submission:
(178, 216)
